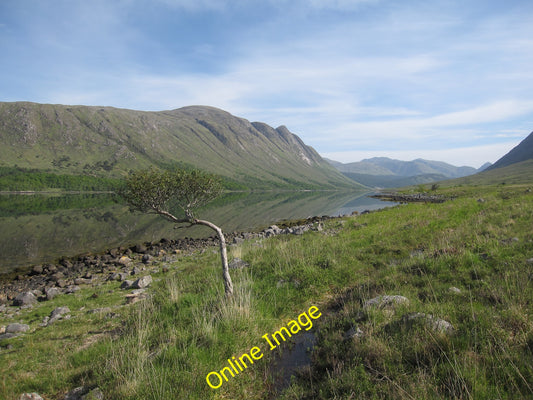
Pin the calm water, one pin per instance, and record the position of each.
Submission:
(37, 229)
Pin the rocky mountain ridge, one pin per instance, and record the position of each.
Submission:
(107, 141)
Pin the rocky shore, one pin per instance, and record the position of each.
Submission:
(411, 198)
(122, 263)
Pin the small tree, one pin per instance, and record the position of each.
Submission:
(159, 192)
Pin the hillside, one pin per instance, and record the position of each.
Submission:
(386, 172)
(108, 142)
(522, 152)
(516, 167)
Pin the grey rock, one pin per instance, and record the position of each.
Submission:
(126, 284)
(140, 248)
(146, 259)
(453, 289)
(432, 322)
(24, 299)
(354, 332)
(135, 271)
(72, 289)
(237, 263)
(386, 301)
(30, 396)
(530, 261)
(52, 292)
(142, 282)
(95, 394)
(37, 270)
(238, 240)
(57, 314)
(124, 260)
(76, 394)
(7, 336)
(17, 328)
(82, 281)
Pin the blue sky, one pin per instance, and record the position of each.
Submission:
(436, 79)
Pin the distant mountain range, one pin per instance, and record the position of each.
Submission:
(109, 142)
(385, 172)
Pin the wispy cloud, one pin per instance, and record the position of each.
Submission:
(345, 75)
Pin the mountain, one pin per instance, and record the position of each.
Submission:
(522, 152)
(386, 172)
(108, 142)
(484, 166)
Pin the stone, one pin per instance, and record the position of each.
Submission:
(30, 396)
(142, 282)
(354, 332)
(237, 263)
(72, 289)
(146, 258)
(57, 277)
(530, 261)
(238, 240)
(37, 270)
(126, 284)
(135, 271)
(57, 314)
(140, 248)
(385, 301)
(82, 281)
(76, 394)
(24, 299)
(436, 324)
(124, 260)
(17, 328)
(453, 289)
(51, 292)
(95, 394)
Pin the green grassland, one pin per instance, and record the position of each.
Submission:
(163, 347)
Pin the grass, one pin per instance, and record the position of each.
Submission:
(163, 347)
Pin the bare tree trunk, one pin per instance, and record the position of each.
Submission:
(228, 285)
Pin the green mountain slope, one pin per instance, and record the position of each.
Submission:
(522, 152)
(518, 173)
(108, 142)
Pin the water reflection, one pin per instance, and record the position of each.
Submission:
(41, 228)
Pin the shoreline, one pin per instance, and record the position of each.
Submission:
(69, 272)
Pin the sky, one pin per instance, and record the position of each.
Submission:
(443, 80)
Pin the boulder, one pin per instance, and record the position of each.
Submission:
(51, 292)
(237, 263)
(142, 282)
(126, 284)
(146, 258)
(95, 394)
(140, 248)
(37, 270)
(24, 299)
(386, 301)
(30, 396)
(17, 328)
(408, 321)
(57, 314)
(124, 260)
